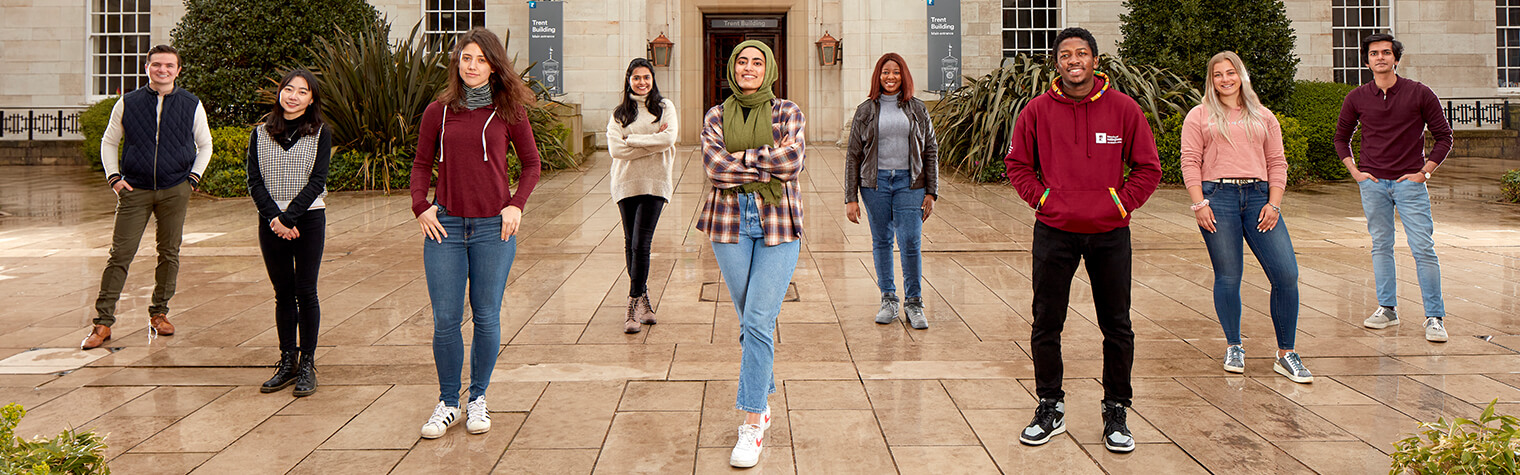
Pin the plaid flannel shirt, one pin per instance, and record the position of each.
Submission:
(720, 212)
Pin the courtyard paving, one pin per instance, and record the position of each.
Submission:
(573, 394)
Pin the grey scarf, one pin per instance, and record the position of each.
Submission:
(477, 97)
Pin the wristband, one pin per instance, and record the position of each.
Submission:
(1200, 205)
(1275, 208)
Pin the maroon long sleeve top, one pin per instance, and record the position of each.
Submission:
(1393, 128)
(473, 178)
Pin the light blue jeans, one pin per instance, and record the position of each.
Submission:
(472, 257)
(757, 276)
(893, 208)
(1412, 201)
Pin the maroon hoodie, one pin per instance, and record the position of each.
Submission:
(1067, 159)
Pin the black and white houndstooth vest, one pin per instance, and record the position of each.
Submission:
(286, 172)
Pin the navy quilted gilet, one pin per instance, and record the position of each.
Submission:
(157, 153)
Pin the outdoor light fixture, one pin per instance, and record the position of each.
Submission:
(659, 50)
(830, 50)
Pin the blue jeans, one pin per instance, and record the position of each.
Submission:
(1412, 200)
(757, 276)
(472, 257)
(1236, 210)
(893, 208)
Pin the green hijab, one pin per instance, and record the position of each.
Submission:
(744, 133)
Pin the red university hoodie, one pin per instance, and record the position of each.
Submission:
(1067, 159)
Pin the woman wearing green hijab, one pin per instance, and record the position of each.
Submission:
(752, 148)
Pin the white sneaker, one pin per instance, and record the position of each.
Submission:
(443, 417)
(1383, 317)
(747, 450)
(1435, 330)
(478, 419)
(765, 419)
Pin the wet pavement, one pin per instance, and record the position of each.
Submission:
(573, 394)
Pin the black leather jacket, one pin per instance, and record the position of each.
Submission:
(860, 158)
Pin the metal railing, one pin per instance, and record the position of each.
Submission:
(36, 123)
(1477, 111)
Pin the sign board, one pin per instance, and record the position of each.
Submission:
(945, 44)
(746, 23)
(546, 44)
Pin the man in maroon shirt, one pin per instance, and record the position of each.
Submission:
(1394, 113)
(1067, 160)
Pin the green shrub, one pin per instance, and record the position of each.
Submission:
(1510, 186)
(355, 65)
(1181, 35)
(92, 124)
(974, 122)
(1295, 148)
(226, 175)
(1169, 147)
(70, 452)
(1317, 106)
(231, 48)
(1461, 446)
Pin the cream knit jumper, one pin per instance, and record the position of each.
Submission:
(643, 158)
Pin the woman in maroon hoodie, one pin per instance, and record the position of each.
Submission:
(470, 225)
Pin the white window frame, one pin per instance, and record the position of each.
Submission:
(429, 33)
(133, 68)
(1499, 61)
(1060, 9)
(1338, 51)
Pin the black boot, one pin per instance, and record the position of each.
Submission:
(306, 376)
(284, 375)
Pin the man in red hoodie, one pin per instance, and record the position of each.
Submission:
(1067, 159)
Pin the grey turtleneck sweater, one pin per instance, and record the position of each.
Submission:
(892, 130)
(477, 97)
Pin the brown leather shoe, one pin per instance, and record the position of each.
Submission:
(160, 322)
(646, 312)
(631, 323)
(98, 335)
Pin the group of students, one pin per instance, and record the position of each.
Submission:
(1081, 156)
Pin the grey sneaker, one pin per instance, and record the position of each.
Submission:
(888, 311)
(1383, 317)
(1293, 368)
(1435, 330)
(1235, 359)
(914, 309)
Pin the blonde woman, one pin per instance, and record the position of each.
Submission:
(1235, 172)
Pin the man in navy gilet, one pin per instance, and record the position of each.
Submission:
(164, 144)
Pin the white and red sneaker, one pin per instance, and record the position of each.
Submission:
(747, 450)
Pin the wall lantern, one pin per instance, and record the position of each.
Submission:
(830, 50)
(659, 50)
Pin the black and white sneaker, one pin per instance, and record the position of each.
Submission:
(1049, 421)
(1116, 436)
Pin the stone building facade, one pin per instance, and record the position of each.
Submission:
(52, 49)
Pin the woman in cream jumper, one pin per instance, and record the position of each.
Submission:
(641, 137)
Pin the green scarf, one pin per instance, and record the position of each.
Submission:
(741, 133)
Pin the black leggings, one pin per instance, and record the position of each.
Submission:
(640, 214)
(293, 266)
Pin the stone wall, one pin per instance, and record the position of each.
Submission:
(41, 152)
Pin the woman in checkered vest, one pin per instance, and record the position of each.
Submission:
(287, 178)
(752, 149)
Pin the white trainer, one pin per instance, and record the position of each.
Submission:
(443, 417)
(1435, 330)
(747, 450)
(1383, 317)
(478, 419)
